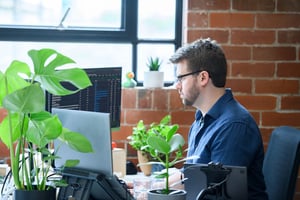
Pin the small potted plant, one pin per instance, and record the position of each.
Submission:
(138, 141)
(153, 78)
(169, 143)
(28, 128)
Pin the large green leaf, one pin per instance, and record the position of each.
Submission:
(16, 126)
(159, 144)
(30, 99)
(47, 63)
(71, 163)
(12, 79)
(52, 81)
(47, 57)
(76, 141)
(43, 128)
(165, 120)
(171, 131)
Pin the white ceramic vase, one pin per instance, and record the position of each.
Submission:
(153, 79)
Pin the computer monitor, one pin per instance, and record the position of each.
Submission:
(103, 96)
(231, 180)
(96, 127)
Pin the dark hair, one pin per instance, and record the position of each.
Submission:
(206, 55)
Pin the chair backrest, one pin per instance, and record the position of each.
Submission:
(281, 163)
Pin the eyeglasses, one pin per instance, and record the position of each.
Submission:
(180, 77)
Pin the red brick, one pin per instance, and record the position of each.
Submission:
(278, 20)
(252, 37)
(237, 52)
(184, 131)
(277, 86)
(208, 5)
(274, 53)
(123, 116)
(160, 99)
(239, 85)
(221, 36)
(290, 103)
(145, 98)
(128, 98)
(183, 117)
(258, 102)
(123, 133)
(256, 116)
(246, 69)
(175, 100)
(241, 20)
(266, 134)
(288, 70)
(276, 119)
(289, 36)
(250, 5)
(288, 5)
(196, 19)
(3, 114)
(147, 115)
(4, 151)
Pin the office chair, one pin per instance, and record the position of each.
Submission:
(281, 163)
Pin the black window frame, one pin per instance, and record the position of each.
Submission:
(128, 32)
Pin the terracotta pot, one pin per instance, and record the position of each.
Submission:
(142, 158)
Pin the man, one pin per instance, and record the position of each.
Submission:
(223, 130)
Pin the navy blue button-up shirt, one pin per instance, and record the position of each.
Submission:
(228, 134)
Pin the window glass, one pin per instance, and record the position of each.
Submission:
(156, 19)
(163, 51)
(99, 33)
(85, 55)
(91, 13)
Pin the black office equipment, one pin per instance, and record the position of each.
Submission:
(86, 185)
(103, 96)
(215, 182)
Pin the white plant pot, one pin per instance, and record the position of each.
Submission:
(155, 195)
(153, 79)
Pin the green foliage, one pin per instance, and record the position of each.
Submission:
(154, 63)
(27, 128)
(169, 143)
(162, 142)
(141, 133)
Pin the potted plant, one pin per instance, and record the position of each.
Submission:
(169, 143)
(138, 141)
(154, 78)
(28, 127)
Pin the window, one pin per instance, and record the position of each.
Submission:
(95, 33)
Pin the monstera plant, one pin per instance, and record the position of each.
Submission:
(28, 129)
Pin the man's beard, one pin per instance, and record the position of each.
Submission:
(191, 98)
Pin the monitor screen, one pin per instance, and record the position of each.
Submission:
(103, 96)
(95, 126)
(231, 181)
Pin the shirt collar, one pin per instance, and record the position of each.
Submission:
(216, 110)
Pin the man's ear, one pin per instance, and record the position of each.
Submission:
(204, 77)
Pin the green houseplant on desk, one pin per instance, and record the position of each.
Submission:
(138, 140)
(28, 127)
(169, 143)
